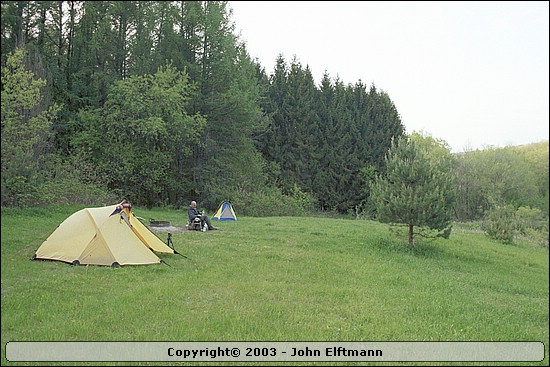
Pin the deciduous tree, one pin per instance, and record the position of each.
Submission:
(25, 130)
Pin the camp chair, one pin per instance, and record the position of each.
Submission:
(194, 225)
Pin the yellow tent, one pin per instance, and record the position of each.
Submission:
(110, 235)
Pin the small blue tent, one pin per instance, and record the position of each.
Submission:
(225, 212)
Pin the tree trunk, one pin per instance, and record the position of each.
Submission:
(410, 234)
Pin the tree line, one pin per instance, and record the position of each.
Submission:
(162, 101)
(159, 102)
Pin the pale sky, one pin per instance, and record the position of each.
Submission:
(474, 74)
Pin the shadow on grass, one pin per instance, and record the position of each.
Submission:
(432, 250)
(424, 249)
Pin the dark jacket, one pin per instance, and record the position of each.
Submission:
(192, 213)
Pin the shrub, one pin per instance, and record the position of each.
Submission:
(271, 201)
(506, 223)
(501, 224)
(533, 224)
(530, 218)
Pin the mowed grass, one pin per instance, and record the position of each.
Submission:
(277, 279)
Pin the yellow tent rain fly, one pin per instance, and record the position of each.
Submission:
(110, 236)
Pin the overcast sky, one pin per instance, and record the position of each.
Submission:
(474, 74)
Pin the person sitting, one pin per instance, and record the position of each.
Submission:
(193, 213)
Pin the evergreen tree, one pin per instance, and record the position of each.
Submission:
(272, 144)
(383, 125)
(299, 122)
(416, 189)
(337, 149)
(325, 179)
(141, 47)
(226, 160)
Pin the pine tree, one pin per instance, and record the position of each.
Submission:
(416, 189)
(226, 160)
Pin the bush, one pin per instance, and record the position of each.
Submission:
(56, 180)
(530, 218)
(502, 224)
(73, 181)
(272, 202)
(533, 224)
(506, 223)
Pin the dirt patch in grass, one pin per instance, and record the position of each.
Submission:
(171, 229)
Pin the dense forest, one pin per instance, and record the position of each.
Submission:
(159, 102)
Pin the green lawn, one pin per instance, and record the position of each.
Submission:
(277, 279)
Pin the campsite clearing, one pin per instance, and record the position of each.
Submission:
(279, 279)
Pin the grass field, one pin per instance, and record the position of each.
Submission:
(277, 279)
